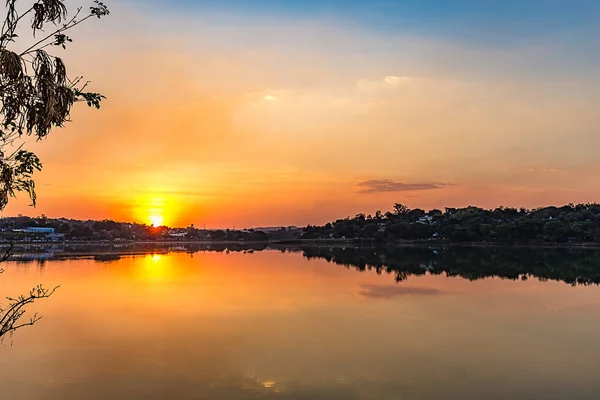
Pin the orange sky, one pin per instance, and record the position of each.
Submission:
(268, 122)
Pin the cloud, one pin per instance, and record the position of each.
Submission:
(394, 80)
(386, 185)
(376, 86)
(387, 292)
(542, 170)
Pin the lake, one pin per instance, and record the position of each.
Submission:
(306, 323)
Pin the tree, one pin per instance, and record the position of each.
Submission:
(571, 223)
(555, 231)
(370, 230)
(11, 314)
(401, 230)
(401, 209)
(434, 213)
(36, 95)
(416, 214)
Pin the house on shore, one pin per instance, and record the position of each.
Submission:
(48, 234)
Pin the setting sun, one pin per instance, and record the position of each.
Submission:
(154, 209)
(156, 220)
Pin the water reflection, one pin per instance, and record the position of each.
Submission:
(287, 324)
(572, 266)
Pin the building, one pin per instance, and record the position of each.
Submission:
(48, 233)
(179, 235)
(35, 229)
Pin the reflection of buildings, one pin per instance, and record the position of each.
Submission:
(32, 256)
(178, 248)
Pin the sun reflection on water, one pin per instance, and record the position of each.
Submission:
(156, 268)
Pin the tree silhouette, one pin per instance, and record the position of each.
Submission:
(570, 224)
(36, 95)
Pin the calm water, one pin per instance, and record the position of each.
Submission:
(273, 325)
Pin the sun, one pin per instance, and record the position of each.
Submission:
(154, 210)
(156, 220)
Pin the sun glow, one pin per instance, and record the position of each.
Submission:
(155, 269)
(156, 220)
(155, 210)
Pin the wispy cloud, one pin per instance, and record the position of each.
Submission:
(387, 292)
(539, 170)
(386, 185)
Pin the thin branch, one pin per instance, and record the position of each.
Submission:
(14, 25)
(72, 23)
(32, 321)
(7, 253)
(16, 311)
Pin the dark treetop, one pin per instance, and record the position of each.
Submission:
(549, 225)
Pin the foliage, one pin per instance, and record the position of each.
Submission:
(567, 224)
(12, 313)
(36, 95)
(108, 230)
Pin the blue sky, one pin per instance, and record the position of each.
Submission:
(486, 21)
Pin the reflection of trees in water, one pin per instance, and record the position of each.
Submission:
(572, 266)
(107, 258)
(71, 250)
(108, 253)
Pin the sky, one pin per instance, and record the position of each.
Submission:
(243, 113)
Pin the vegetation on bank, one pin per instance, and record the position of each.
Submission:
(15, 229)
(567, 224)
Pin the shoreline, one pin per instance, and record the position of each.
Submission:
(304, 242)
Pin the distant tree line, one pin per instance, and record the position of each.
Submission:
(570, 223)
(108, 230)
(548, 225)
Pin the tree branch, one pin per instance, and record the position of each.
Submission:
(7, 253)
(72, 23)
(8, 322)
